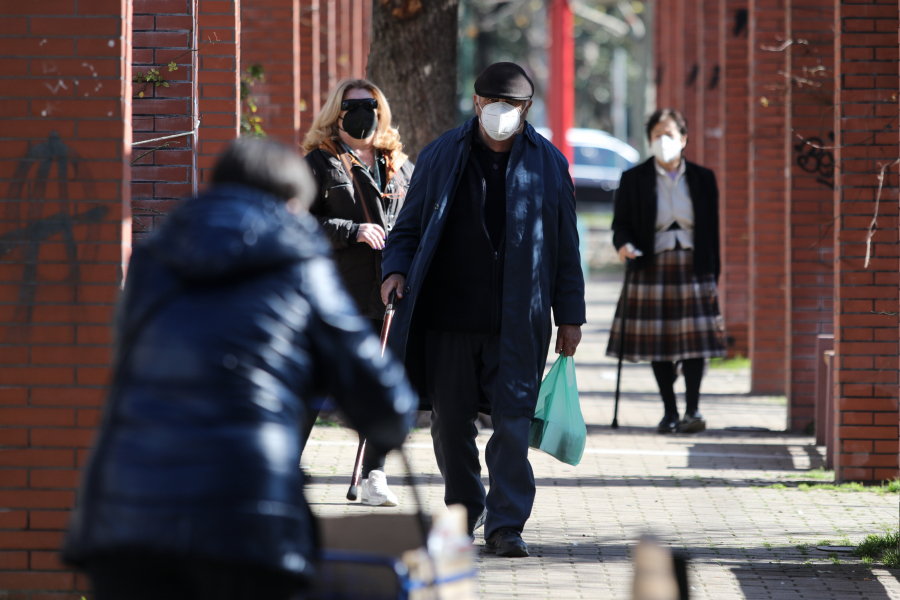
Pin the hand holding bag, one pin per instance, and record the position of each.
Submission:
(558, 427)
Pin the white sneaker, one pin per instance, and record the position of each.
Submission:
(374, 491)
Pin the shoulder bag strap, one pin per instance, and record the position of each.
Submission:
(362, 199)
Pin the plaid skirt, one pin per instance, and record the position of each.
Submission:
(673, 314)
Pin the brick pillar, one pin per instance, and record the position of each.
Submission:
(664, 53)
(218, 81)
(315, 38)
(163, 32)
(678, 57)
(811, 199)
(866, 63)
(270, 37)
(65, 235)
(768, 163)
(713, 89)
(734, 289)
(694, 69)
(713, 86)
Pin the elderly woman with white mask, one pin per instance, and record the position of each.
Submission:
(666, 225)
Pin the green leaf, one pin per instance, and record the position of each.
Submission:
(141, 95)
(165, 84)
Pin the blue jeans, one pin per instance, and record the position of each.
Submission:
(461, 372)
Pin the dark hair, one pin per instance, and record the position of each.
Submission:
(268, 166)
(664, 114)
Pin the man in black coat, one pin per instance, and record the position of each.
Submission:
(484, 250)
(232, 318)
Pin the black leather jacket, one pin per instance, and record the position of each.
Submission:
(339, 210)
(232, 318)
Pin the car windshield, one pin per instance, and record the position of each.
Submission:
(598, 157)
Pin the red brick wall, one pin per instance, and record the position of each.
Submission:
(811, 199)
(767, 196)
(163, 32)
(734, 290)
(713, 86)
(218, 81)
(866, 349)
(694, 68)
(270, 37)
(65, 135)
(678, 57)
(664, 52)
(331, 54)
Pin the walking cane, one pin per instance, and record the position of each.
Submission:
(352, 493)
(615, 421)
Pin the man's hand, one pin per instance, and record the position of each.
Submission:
(372, 235)
(567, 339)
(396, 282)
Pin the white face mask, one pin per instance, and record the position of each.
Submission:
(500, 120)
(666, 148)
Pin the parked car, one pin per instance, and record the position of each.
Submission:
(600, 160)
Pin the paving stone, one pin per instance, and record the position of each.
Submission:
(709, 495)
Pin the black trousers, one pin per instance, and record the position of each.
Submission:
(372, 461)
(461, 373)
(665, 374)
(148, 577)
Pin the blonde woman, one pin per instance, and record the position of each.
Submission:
(362, 175)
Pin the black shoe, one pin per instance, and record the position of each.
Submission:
(507, 543)
(692, 422)
(669, 424)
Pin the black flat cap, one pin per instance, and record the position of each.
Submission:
(504, 80)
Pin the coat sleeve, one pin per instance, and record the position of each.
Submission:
(568, 297)
(623, 226)
(404, 238)
(341, 232)
(371, 389)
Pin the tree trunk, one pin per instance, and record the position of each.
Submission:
(413, 60)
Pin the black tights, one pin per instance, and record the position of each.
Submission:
(665, 378)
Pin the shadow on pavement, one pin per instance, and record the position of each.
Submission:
(767, 575)
(672, 481)
(786, 437)
(760, 572)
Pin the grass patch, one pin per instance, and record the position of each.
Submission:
(886, 487)
(320, 422)
(738, 363)
(600, 219)
(880, 548)
(819, 474)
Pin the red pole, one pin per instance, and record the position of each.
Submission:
(560, 97)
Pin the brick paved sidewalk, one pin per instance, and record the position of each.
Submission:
(709, 495)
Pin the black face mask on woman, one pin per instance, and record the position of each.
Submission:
(360, 121)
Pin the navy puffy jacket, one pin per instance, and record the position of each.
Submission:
(232, 318)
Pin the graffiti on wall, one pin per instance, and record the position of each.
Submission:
(34, 229)
(813, 156)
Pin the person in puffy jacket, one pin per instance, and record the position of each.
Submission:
(362, 174)
(232, 318)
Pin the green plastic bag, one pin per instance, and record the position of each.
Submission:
(558, 427)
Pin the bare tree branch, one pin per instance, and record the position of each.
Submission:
(872, 226)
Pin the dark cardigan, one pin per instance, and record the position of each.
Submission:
(635, 215)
